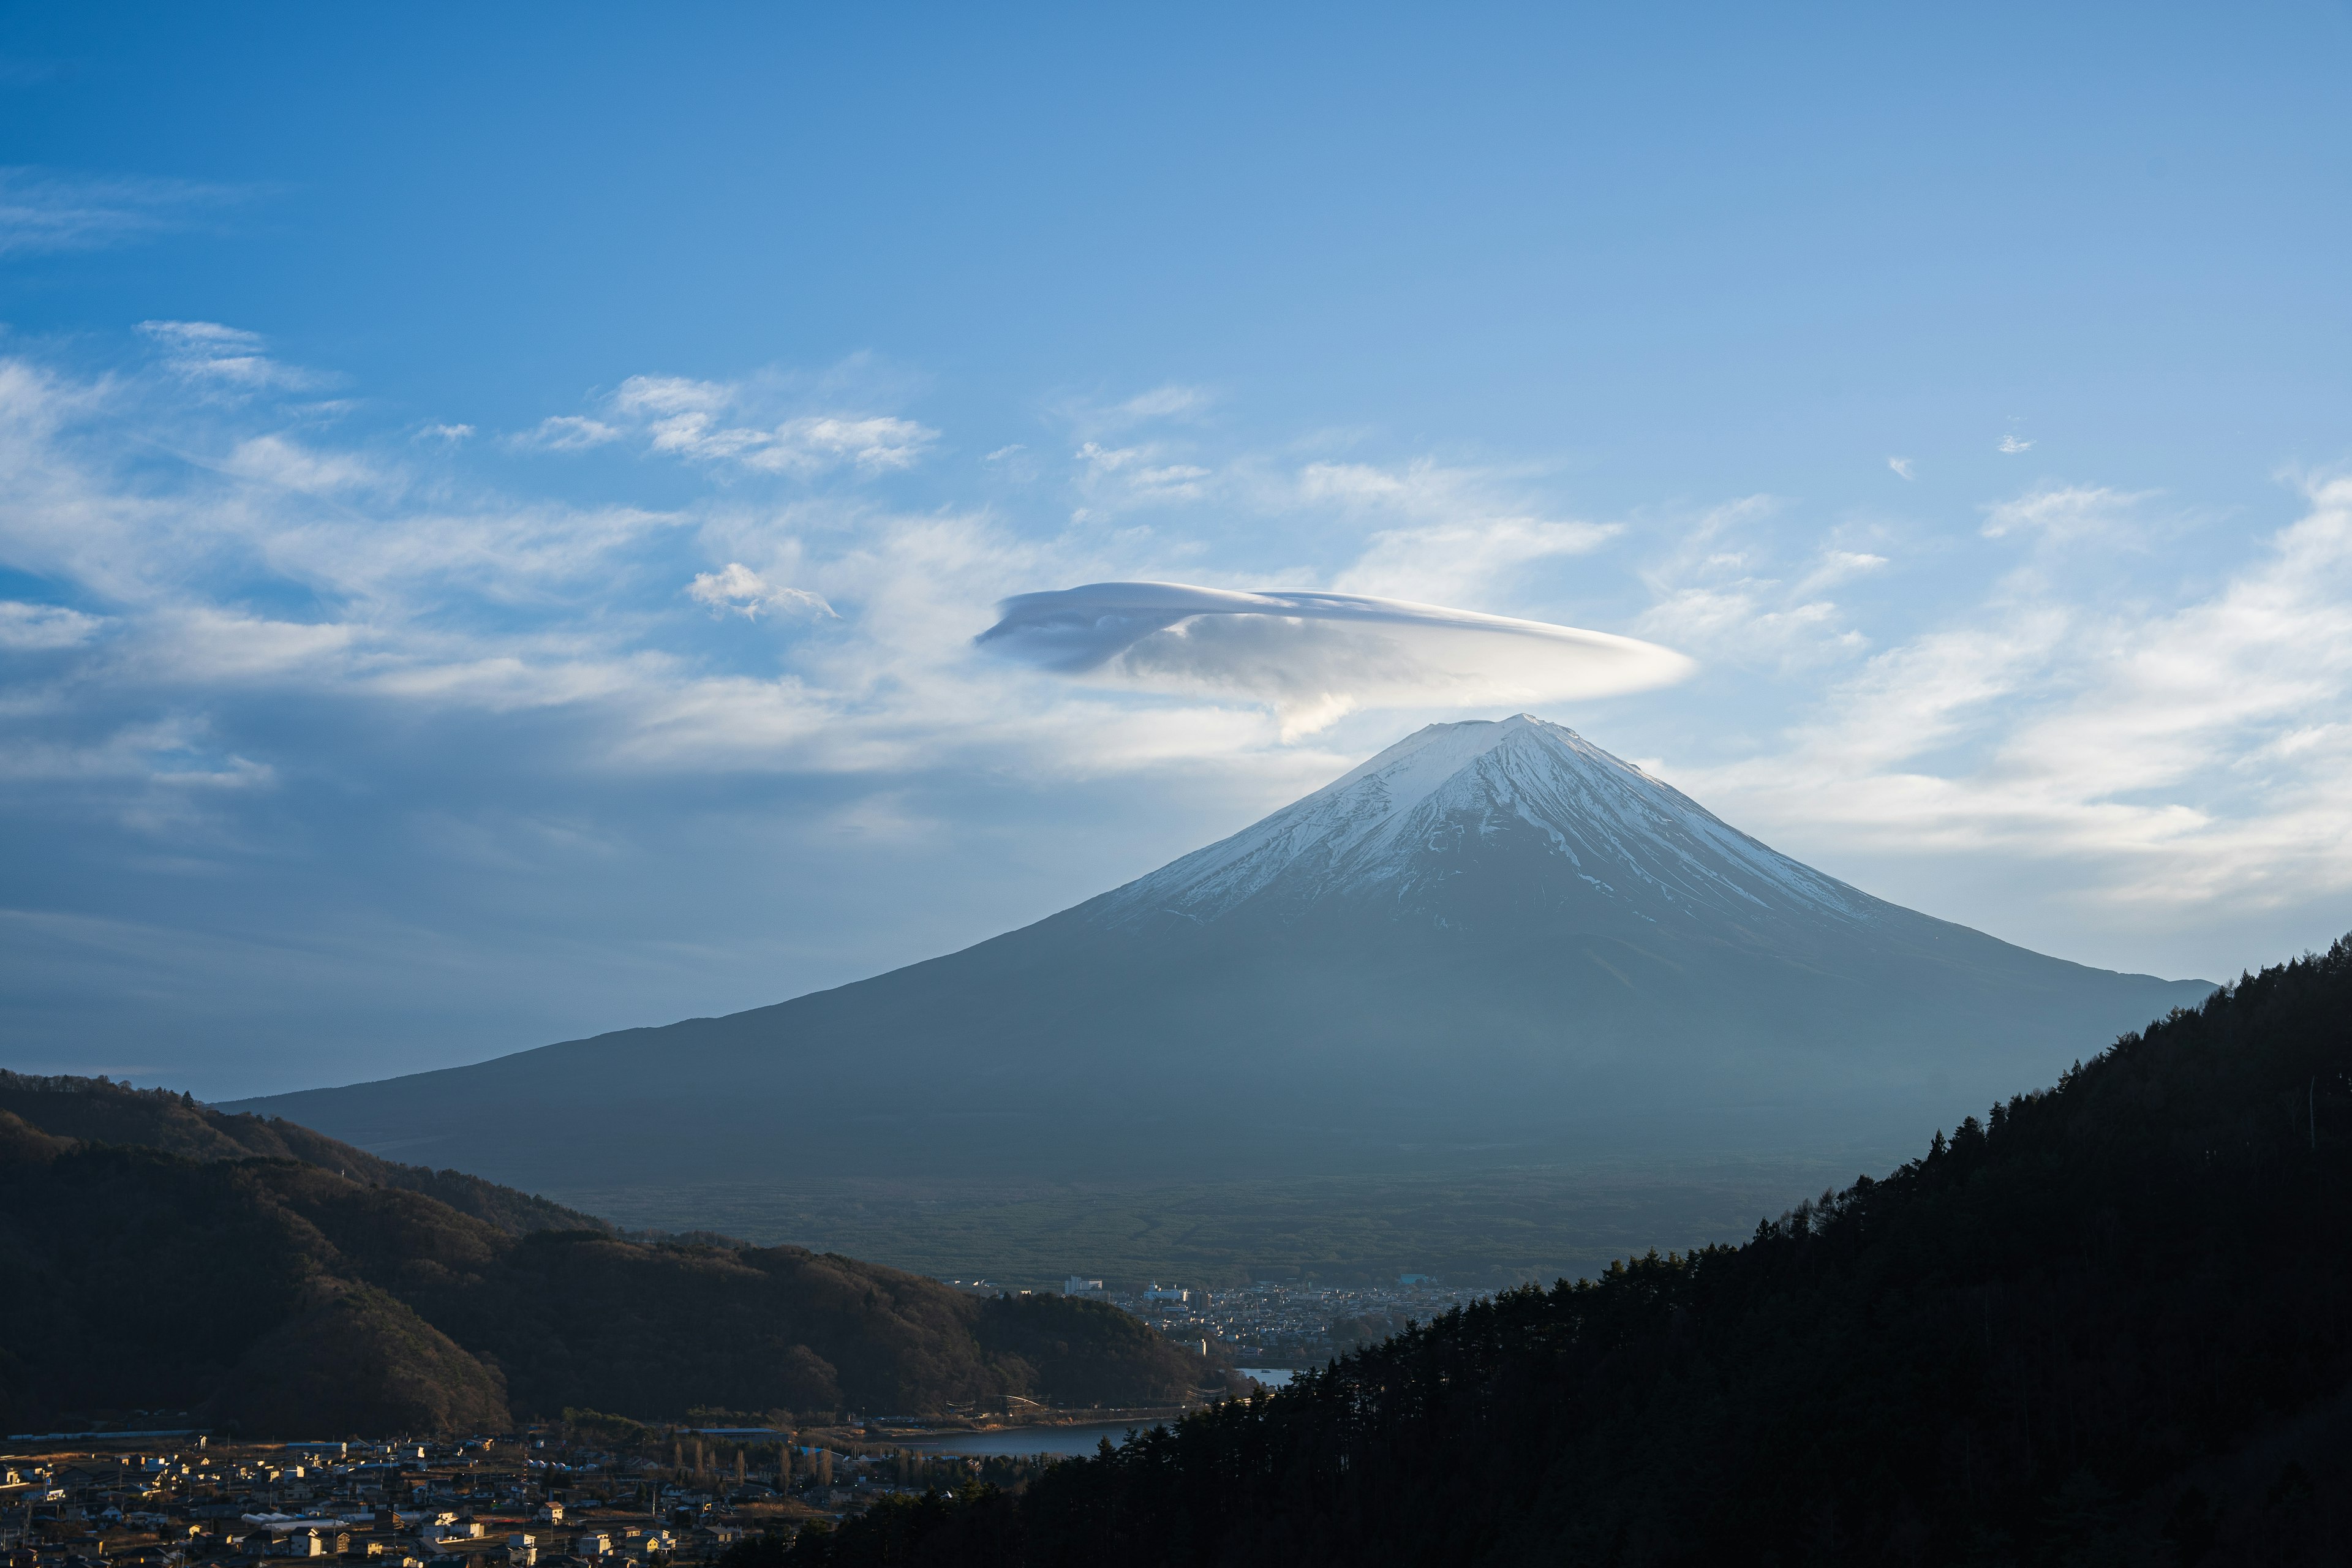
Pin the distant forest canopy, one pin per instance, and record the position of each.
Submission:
(2109, 1323)
(101, 1110)
(159, 1255)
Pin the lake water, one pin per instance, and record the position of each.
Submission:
(1272, 1377)
(1025, 1440)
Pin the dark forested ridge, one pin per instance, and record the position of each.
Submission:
(283, 1297)
(2111, 1323)
(103, 1111)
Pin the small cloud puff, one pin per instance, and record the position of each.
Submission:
(1902, 467)
(1316, 657)
(2010, 443)
(736, 588)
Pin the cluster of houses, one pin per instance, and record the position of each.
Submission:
(156, 1499)
(1274, 1324)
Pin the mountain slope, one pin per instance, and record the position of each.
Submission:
(1493, 942)
(303, 1303)
(95, 1108)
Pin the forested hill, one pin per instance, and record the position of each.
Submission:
(2112, 1323)
(272, 1297)
(97, 1108)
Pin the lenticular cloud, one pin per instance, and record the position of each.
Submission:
(1315, 656)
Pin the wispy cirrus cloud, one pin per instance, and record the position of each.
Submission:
(1833, 566)
(1732, 588)
(209, 354)
(1441, 532)
(1103, 419)
(716, 423)
(1127, 459)
(567, 433)
(50, 212)
(2185, 756)
(1140, 475)
(1167, 401)
(2065, 513)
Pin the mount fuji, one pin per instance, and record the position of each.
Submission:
(1492, 941)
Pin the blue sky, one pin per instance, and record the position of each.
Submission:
(494, 509)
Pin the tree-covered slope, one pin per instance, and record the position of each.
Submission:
(94, 1108)
(2112, 1323)
(287, 1297)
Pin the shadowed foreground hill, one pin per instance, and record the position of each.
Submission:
(93, 1108)
(2113, 1325)
(285, 1299)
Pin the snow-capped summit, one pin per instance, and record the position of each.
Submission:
(1528, 803)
